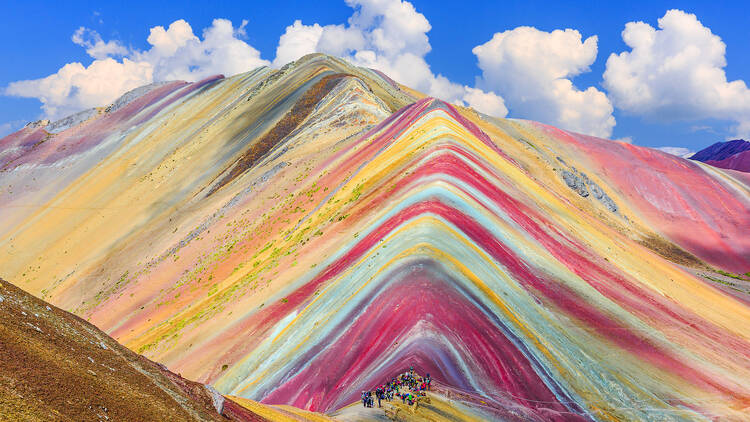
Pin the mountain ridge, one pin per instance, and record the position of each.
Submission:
(732, 155)
(721, 150)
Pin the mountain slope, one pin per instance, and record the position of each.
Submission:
(298, 236)
(57, 367)
(739, 161)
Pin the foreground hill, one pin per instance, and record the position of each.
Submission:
(55, 366)
(296, 236)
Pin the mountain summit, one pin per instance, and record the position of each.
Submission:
(297, 236)
(733, 155)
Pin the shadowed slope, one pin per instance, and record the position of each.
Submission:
(55, 366)
(283, 128)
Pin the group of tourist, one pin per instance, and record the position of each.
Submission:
(412, 384)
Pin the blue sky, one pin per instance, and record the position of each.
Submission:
(39, 44)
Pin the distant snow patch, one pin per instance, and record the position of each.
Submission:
(678, 151)
(71, 121)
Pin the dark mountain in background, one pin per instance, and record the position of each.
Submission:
(733, 155)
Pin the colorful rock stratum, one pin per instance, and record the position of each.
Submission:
(295, 236)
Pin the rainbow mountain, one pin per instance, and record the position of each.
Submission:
(296, 236)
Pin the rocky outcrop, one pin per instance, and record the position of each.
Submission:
(582, 185)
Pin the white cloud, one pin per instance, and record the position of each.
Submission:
(676, 72)
(296, 41)
(525, 68)
(531, 69)
(486, 102)
(95, 46)
(75, 87)
(626, 139)
(678, 151)
(388, 35)
(175, 53)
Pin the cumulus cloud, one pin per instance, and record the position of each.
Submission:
(678, 151)
(296, 41)
(525, 69)
(175, 53)
(676, 72)
(531, 69)
(486, 102)
(388, 35)
(95, 46)
(76, 87)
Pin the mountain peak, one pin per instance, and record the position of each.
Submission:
(729, 154)
(721, 150)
